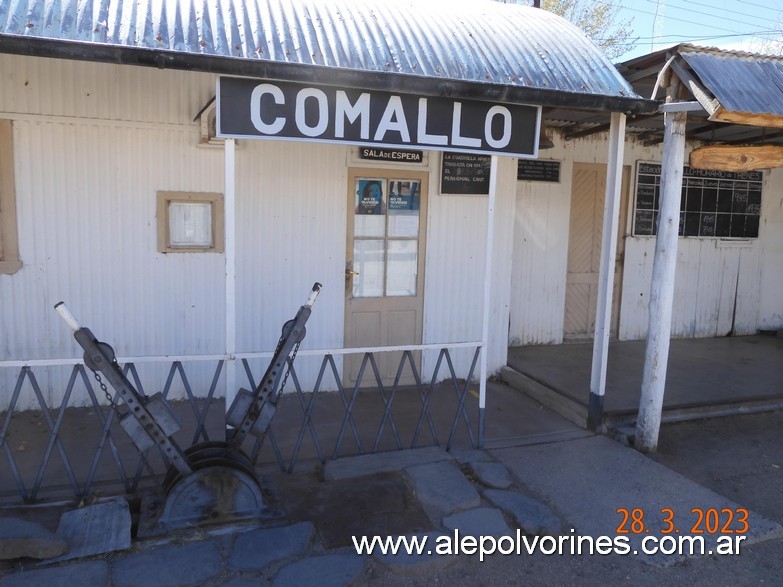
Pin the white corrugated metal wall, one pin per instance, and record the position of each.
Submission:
(709, 272)
(771, 288)
(88, 164)
(291, 216)
(455, 267)
(93, 145)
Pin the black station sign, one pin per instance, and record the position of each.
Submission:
(396, 155)
(463, 173)
(539, 170)
(250, 108)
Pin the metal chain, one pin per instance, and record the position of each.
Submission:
(280, 340)
(288, 370)
(105, 391)
(116, 409)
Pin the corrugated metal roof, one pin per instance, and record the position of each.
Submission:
(742, 98)
(742, 82)
(475, 41)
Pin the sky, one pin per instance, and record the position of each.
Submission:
(729, 24)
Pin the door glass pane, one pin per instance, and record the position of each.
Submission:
(404, 208)
(369, 207)
(402, 262)
(368, 263)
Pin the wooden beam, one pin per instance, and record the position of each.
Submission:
(692, 106)
(737, 158)
(632, 76)
(586, 132)
(723, 115)
(577, 134)
(648, 135)
(710, 104)
(761, 134)
(711, 127)
(760, 138)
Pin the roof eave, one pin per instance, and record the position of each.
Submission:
(374, 80)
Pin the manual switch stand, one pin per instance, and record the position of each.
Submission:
(213, 481)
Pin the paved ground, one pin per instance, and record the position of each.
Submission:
(575, 482)
(712, 374)
(739, 457)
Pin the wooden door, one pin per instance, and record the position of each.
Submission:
(584, 250)
(384, 268)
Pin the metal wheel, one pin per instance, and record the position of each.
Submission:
(287, 330)
(213, 494)
(211, 453)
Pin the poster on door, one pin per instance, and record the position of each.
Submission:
(370, 197)
(404, 198)
(403, 195)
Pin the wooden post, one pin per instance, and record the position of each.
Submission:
(603, 314)
(656, 357)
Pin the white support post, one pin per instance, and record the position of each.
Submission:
(603, 314)
(493, 183)
(656, 357)
(229, 202)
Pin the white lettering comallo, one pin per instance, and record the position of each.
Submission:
(393, 119)
(505, 138)
(456, 123)
(323, 112)
(255, 109)
(344, 110)
(316, 111)
(422, 137)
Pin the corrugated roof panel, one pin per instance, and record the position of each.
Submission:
(741, 82)
(474, 41)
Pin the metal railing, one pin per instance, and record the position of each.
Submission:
(96, 456)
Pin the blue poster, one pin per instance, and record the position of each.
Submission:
(404, 195)
(369, 197)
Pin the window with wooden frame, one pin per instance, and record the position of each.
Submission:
(9, 245)
(190, 222)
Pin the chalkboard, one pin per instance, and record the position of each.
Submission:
(537, 170)
(713, 203)
(462, 173)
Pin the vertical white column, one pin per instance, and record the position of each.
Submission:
(603, 314)
(229, 202)
(656, 357)
(493, 183)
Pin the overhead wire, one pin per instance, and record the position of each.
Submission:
(712, 14)
(760, 6)
(662, 40)
(683, 20)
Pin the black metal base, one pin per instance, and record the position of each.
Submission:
(595, 413)
(223, 488)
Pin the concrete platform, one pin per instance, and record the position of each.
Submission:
(579, 484)
(705, 377)
(585, 481)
